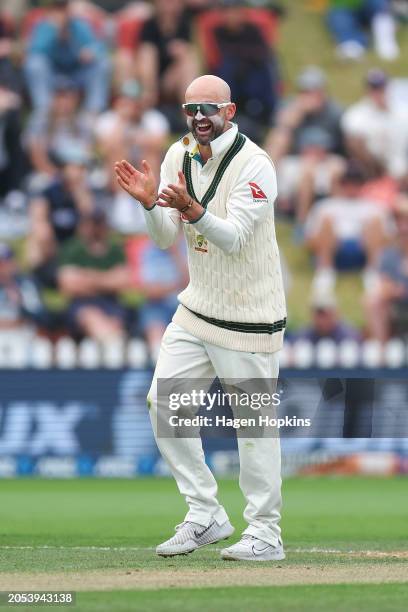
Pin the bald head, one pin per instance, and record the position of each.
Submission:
(208, 88)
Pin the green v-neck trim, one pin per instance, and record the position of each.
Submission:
(235, 148)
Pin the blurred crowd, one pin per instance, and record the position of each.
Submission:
(84, 84)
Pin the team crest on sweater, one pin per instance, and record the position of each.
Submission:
(200, 243)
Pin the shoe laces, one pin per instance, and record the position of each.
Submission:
(247, 536)
(183, 524)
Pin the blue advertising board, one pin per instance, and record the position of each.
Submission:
(82, 416)
(74, 423)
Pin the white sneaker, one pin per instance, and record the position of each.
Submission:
(324, 280)
(371, 280)
(350, 50)
(250, 548)
(190, 536)
(385, 43)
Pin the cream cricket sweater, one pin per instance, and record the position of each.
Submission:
(235, 296)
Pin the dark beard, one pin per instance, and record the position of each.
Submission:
(216, 130)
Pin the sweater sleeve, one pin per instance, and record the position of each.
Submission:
(249, 203)
(163, 224)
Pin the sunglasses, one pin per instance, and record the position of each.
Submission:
(208, 109)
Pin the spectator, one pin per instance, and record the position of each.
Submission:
(346, 231)
(400, 9)
(63, 44)
(55, 214)
(129, 22)
(326, 322)
(309, 176)
(249, 66)
(348, 18)
(375, 133)
(387, 304)
(91, 273)
(310, 107)
(15, 9)
(159, 276)
(166, 57)
(65, 127)
(12, 160)
(21, 307)
(131, 131)
(9, 75)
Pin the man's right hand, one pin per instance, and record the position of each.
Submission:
(140, 185)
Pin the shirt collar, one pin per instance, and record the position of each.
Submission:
(218, 146)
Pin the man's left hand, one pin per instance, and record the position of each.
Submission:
(175, 196)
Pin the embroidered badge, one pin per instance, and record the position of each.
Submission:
(201, 243)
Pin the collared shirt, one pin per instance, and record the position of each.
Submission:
(244, 208)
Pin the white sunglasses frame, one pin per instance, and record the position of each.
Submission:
(218, 105)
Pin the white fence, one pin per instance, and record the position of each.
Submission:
(41, 353)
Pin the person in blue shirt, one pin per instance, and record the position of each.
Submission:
(62, 44)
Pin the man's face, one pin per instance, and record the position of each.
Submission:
(351, 189)
(169, 7)
(93, 230)
(234, 17)
(129, 108)
(324, 320)
(60, 15)
(74, 174)
(314, 152)
(312, 101)
(207, 129)
(66, 102)
(379, 96)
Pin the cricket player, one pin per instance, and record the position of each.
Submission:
(220, 188)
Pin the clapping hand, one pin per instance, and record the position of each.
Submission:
(175, 196)
(139, 184)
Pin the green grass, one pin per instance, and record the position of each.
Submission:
(358, 598)
(129, 517)
(341, 513)
(336, 598)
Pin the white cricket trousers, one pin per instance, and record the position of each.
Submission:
(182, 355)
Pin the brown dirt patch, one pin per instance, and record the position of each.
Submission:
(232, 575)
(377, 554)
(374, 554)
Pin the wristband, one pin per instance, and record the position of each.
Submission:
(189, 205)
(150, 207)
